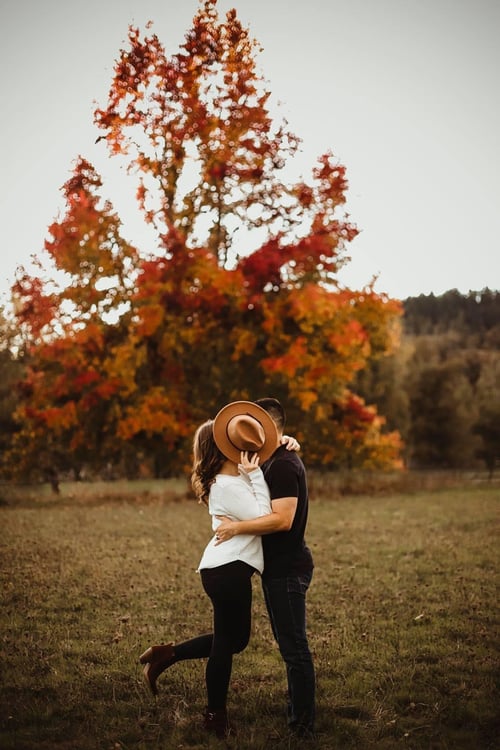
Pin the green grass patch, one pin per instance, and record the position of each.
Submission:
(403, 622)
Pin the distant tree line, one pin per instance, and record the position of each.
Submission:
(441, 388)
(476, 316)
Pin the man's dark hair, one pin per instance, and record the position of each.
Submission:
(275, 410)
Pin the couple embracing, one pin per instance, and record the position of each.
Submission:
(254, 484)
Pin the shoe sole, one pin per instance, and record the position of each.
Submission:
(145, 658)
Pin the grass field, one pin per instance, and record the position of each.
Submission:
(403, 621)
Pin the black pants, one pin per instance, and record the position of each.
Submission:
(230, 590)
(286, 603)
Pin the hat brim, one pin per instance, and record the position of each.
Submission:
(237, 408)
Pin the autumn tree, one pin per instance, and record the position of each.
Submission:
(11, 372)
(273, 319)
(487, 425)
(75, 379)
(441, 422)
(241, 298)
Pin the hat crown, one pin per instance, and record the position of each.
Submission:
(245, 426)
(246, 433)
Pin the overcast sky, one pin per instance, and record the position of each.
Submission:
(404, 92)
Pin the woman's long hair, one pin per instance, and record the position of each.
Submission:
(207, 461)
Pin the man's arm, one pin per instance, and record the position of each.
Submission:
(281, 519)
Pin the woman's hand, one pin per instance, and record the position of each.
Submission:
(290, 443)
(249, 461)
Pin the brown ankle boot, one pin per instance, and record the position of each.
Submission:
(217, 723)
(157, 659)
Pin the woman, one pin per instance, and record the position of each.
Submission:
(227, 478)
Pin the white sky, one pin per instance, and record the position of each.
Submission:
(404, 92)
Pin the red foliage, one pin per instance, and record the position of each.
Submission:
(32, 305)
(138, 350)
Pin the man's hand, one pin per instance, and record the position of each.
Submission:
(281, 519)
(226, 530)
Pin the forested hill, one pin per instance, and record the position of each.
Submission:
(476, 314)
(441, 387)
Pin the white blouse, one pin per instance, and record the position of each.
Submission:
(240, 498)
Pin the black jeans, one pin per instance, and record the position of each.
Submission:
(286, 603)
(230, 590)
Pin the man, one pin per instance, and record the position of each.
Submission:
(288, 568)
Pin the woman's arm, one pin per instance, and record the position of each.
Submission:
(290, 443)
(261, 492)
(241, 499)
(250, 465)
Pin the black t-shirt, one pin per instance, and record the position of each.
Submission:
(285, 552)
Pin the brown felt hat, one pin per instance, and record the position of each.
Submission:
(244, 426)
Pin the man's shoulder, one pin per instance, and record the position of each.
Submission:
(283, 458)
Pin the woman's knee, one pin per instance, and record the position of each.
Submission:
(240, 643)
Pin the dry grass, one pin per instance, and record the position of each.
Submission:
(403, 619)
